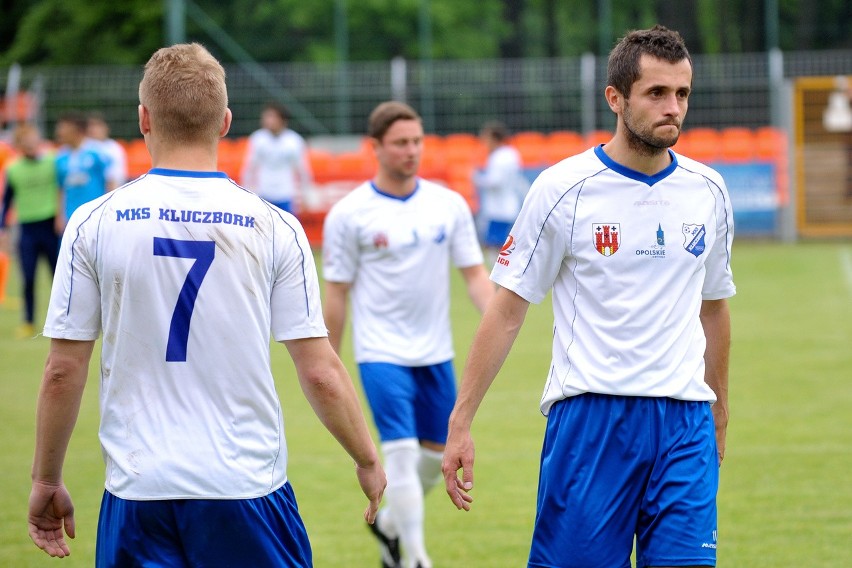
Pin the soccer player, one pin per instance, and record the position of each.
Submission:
(390, 243)
(501, 186)
(31, 186)
(97, 130)
(276, 164)
(635, 243)
(187, 275)
(80, 167)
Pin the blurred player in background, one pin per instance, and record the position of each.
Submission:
(635, 243)
(97, 130)
(501, 187)
(276, 165)
(80, 167)
(187, 275)
(390, 242)
(31, 186)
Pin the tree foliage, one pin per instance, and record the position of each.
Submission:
(62, 32)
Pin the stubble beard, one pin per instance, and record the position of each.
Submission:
(645, 143)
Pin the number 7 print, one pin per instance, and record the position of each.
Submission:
(202, 252)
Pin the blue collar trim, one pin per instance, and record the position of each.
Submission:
(186, 173)
(392, 196)
(633, 174)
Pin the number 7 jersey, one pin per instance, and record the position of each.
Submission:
(187, 276)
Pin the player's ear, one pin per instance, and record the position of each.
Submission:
(226, 123)
(144, 120)
(614, 99)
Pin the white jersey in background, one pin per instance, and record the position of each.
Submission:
(275, 165)
(185, 378)
(502, 185)
(630, 257)
(396, 253)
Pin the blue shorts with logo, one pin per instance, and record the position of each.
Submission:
(186, 533)
(410, 402)
(615, 467)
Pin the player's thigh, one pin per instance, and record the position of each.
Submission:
(677, 524)
(390, 390)
(436, 395)
(266, 531)
(595, 457)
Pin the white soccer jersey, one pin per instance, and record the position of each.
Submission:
(273, 164)
(502, 185)
(186, 274)
(396, 253)
(629, 257)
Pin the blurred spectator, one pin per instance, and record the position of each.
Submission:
(31, 185)
(276, 165)
(80, 168)
(501, 187)
(97, 130)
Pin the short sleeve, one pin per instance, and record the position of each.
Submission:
(529, 261)
(465, 250)
(296, 303)
(74, 311)
(339, 246)
(718, 279)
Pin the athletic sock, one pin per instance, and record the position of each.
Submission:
(404, 496)
(429, 468)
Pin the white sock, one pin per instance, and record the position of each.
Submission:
(429, 468)
(404, 496)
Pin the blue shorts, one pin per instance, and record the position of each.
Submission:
(410, 402)
(284, 205)
(266, 531)
(613, 467)
(496, 233)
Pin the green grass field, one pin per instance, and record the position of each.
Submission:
(785, 497)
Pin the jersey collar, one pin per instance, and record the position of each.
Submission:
(186, 173)
(397, 197)
(633, 174)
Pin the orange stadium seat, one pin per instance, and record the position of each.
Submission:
(563, 143)
(231, 155)
(738, 144)
(703, 144)
(138, 159)
(597, 137)
(771, 143)
(464, 148)
(531, 146)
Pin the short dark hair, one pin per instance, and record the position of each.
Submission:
(660, 42)
(78, 119)
(384, 115)
(282, 111)
(495, 130)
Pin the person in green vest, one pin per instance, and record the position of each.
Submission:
(31, 184)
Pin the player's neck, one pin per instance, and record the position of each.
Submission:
(400, 187)
(620, 151)
(188, 158)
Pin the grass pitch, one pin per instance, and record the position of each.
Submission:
(785, 496)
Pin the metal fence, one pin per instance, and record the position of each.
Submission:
(453, 96)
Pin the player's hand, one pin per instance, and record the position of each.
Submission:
(720, 419)
(4, 240)
(51, 510)
(373, 483)
(458, 454)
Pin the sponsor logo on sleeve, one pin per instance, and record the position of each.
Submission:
(506, 251)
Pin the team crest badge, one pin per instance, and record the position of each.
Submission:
(607, 238)
(693, 239)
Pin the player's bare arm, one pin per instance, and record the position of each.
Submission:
(479, 287)
(716, 321)
(329, 390)
(334, 311)
(494, 338)
(50, 506)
